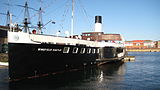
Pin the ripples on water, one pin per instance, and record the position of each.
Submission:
(145, 72)
(142, 74)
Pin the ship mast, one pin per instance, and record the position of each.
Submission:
(72, 20)
(26, 18)
(40, 21)
(8, 19)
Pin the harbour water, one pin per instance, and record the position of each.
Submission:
(142, 74)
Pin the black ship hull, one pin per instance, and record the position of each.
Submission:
(27, 60)
(31, 60)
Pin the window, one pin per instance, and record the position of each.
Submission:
(89, 50)
(82, 50)
(88, 34)
(138, 44)
(75, 50)
(98, 50)
(66, 49)
(93, 50)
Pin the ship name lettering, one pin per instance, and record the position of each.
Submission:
(57, 50)
(49, 49)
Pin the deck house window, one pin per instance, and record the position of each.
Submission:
(75, 50)
(66, 49)
(93, 50)
(82, 50)
(98, 50)
(89, 50)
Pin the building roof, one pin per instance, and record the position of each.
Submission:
(114, 37)
(139, 41)
(142, 41)
(101, 36)
(6, 28)
(92, 32)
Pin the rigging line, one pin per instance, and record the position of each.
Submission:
(8, 8)
(40, 3)
(59, 7)
(49, 4)
(17, 18)
(26, 1)
(4, 22)
(64, 15)
(85, 13)
(43, 8)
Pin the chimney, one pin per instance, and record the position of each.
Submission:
(98, 23)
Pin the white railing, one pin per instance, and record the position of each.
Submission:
(20, 37)
(61, 40)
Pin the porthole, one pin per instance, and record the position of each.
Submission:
(98, 50)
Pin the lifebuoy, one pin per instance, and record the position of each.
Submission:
(34, 31)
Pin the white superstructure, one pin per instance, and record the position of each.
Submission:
(21, 37)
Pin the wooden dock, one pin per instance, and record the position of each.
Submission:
(107, 60)
(2, 67)
(3, 57)
(129, 59)
(4, 64)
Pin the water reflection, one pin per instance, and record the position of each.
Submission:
(88, 78)
(3, 78)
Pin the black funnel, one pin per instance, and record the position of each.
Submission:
(98, 19)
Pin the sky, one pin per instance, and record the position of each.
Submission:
(133, 19)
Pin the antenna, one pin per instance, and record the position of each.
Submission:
(72, 20)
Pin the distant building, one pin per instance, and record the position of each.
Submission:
(157, 44)
(3, 38)
(140, 44)
(3, 34)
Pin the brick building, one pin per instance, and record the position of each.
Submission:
(100, 36)
(3, 38)
(157, 44)
(3, 34)
(140, 44)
